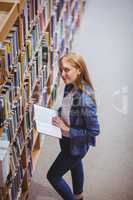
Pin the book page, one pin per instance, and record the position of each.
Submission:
(43, 117)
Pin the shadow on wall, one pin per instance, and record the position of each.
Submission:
(41, 192)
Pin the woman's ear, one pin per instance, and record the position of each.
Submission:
(78, 71)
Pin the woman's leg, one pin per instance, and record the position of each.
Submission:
(77, 174)
(61, 165)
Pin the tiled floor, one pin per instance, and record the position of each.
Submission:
(106, 42)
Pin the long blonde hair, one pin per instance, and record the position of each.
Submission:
(78, 62)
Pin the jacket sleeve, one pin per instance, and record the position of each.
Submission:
(89, 114)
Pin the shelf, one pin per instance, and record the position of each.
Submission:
(36, 152)
(21, 5)
(1, 131)
(35, 156)
(35, 135)
(37, 45)
(25, 195)
(10, 1)
(33, 23)
(30, 22)
(8, 15)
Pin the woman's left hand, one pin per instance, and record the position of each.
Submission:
(57, 121)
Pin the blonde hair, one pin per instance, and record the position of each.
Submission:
(78, 62)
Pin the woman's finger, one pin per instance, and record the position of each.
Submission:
(56, 124)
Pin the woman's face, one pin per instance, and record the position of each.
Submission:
(69, 73)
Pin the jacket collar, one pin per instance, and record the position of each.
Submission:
(70, 86)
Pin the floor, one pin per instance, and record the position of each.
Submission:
(105, 39)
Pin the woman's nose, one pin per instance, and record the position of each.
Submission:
(63, 74)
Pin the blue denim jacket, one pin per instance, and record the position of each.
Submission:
(84, 126)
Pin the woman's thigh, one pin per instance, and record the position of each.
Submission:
(62, 164)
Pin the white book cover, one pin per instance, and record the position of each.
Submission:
(43, 117)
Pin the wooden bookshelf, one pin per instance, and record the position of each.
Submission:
(31, 43)
(35, 135)
(1, 131)
(8, 16)
(35, 156)
(21, 5)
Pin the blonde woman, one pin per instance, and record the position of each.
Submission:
(79, 125)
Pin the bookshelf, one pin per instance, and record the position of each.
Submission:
(8, 14)
(33, 36)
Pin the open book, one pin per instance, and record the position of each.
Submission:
(43, 117)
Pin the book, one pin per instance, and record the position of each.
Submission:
(4, 161)
(43, 118)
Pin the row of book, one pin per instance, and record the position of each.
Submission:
(44, 15)
(16, 178)
(42, 11)
(16, 161)
(58, 9)
(35, 17)
(17, 149)
(21, 169)
(34, 84)
(31, 43)
(10, 50)
(10, 116)
(34, 45)
(57, 24)
(15, 187)
(15, 182)
(18, 125)
(12, 83)
(38, 70)
(73, 22)
(63, 27)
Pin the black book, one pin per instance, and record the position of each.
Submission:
(2, 114)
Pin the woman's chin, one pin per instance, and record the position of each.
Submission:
(66, 82)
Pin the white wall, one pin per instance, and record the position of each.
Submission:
(105, 39)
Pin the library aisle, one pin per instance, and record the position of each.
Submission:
(105, 40)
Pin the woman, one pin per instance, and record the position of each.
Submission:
(79, 125)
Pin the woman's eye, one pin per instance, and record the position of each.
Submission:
(66, 70)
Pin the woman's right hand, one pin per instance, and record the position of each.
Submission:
(57, 121)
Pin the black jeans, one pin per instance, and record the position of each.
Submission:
(63, 163)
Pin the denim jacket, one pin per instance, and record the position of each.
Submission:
(84, 126)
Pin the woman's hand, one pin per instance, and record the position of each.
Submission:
(57, 121)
